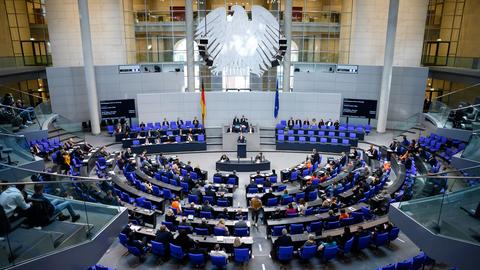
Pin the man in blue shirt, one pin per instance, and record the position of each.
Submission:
(57, 205)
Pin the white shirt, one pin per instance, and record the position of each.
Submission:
(12, 198)
(219, 253)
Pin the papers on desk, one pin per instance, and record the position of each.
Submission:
(190, 217)
(352, 209)
(220, 238)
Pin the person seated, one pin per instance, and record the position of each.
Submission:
(373, 152)
(244, 121)
(329, 242)
(164, 236)
(170, 216)
(142, 125)
(250, 129)
(217, 252)
(203, 224)
(221, 225)
(177, 205)
(237, 243)
(233, 175)
(343, 214)
(165, 122)
(259, 157)
(290, 210)
(206, 207)
(189, 137)
(236, 121)
(222, 189)
(179, 122)
(267, 183)
(55, 206)
(241, 138)
(313, 124)
(240, 215)
(405, 142)
(336, 124)
(196, 191)
(290, 123)
(209, 191)
(298, 122)
(306, 122)
(346, 235)
(224, 158)
(184, 241)
(133, 242)
(283, 241)
(310, 241)
(267, 196)
(224, 214)
(331, 216)
(241, 223)
(252, 184)
(302, 206)
(13, 202)
(321, 123)
(195, 122)
(329, 123)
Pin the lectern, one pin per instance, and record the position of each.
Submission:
(241, 150)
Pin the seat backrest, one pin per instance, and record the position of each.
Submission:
(308, 252)
(241, 255)
(285, 253)
(219, 261)
(176, 251)
(158, 248)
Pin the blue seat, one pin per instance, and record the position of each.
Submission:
(393, 234)
(232, 181)
(281, 137)
(329, 253)
(296, 228)
(252, 190)
(217, 180)
(418, 261)
(223, 202)
(334, 140)
(388, 267)
(285, 253)
(189, 229)
(287, 200)
(169, 225)
(219, 261)
(188, 212)
(404, 265)
(123, 239)
(381, 239)
(364, 242)
(241, 232)
(219, 232)
(313, 139)
(196, 260)
(272, 202)
(167, 194)
(158, 249)
(315, 227)
(206, 214)
(193, 198)
(156, 191)
(300, 195)
(312, 196)
(347, 221)
(210, 199)
(307, 252)
(277, 230)
(323, 140)
(347, 247)
(137, 252)
(176, 252)
(332, 225)
(241, 255)
(201, 231)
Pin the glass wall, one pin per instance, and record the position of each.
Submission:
(28, 33)
(320, 33)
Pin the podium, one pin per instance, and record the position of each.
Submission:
(241, 150)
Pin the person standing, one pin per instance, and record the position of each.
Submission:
(256, 206)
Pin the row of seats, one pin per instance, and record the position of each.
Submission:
(311, 133)
(415, 263)
(434, 143)
(223, 202)
(156, 190)
(343, 127)
(302, 139)
(178, 139)
(240, 232)
(240, 255)
(46, 145)
(139, 202)
(157, 125)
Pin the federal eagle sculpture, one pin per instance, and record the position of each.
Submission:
(233, 44)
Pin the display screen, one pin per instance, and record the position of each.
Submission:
(122, 108)
(363, 108)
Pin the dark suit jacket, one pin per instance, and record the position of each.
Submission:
(283, 241)
(290, 123)
(242, 139)
(165, 123)
(164, 237)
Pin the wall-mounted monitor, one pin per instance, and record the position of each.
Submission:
(362, 108)
(121, 108)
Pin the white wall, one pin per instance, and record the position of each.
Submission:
(222, 107)
(106, 26)
(369, 26)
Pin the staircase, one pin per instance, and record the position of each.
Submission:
(56, 129)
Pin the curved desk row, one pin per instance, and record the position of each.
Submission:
(125, 187)
(169, 147)
(243, 166)
(321, 147)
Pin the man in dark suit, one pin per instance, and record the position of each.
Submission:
(241, 138)
(306, 122)
(329, 122)
(267, 196)
(315, 156)
(210, 192)
(233, 175)
(298, 122)
(195, 122)
(244, 121)
(236, 121)
(283, 241)
(165, 122)
(290, 123)
(164, 236)
(179, 122)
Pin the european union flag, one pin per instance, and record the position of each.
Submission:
(277, 103)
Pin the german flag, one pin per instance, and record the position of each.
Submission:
(203, 105)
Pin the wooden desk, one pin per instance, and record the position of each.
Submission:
(149, 216)
(311, 218)
(299, 239)
(123, 185)
(211, 222)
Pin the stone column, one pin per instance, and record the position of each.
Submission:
(287, 20)
(190, 49)
(387, 66)
(89, 68)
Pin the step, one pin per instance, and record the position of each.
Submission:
(54, 129)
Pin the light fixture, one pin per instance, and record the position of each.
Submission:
(439, 39)
(149, 47)
(32, 39)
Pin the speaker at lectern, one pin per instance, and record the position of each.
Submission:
(241, 146)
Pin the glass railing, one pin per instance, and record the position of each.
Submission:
(73, 128)
(19, 61)
(472, 151)
(13, 119)
(439, 111)
(406, 125)
(43, 111)
(72, 211)
(15, 149)
(452, 214)
(452, 61)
